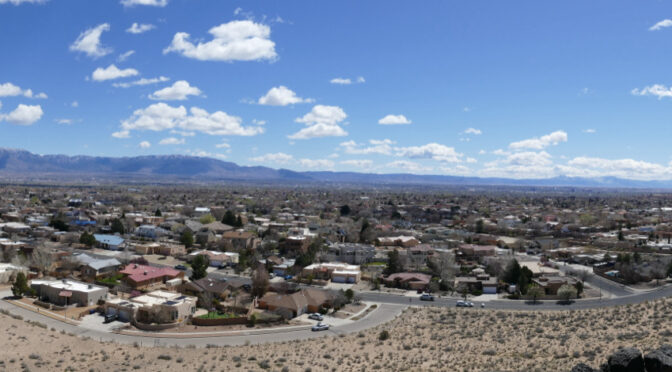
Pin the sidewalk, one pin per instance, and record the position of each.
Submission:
(43, 311)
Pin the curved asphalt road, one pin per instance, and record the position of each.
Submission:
(382, 314)
(391, 306)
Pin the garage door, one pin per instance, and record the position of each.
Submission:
(338, 279)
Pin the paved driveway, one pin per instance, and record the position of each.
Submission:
(95, 322)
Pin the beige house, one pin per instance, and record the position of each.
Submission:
(68, 292)
(160, 307)
(338, 272)
(162, 248)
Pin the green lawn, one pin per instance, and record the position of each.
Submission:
(218, 315)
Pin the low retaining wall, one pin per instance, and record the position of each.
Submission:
(156, 327)
(215, 322)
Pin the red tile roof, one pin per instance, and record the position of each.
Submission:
(139, 273)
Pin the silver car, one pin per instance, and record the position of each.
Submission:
(320, 327)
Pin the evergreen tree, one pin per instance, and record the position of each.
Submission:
(20, 285)
(87, 239)
(229, 218)
(158, 213)
(393, 263)
(199, 267)
(118, 227)
(187, 238)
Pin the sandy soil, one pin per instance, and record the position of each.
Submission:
(445, 339)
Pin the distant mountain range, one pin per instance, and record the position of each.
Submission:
(18, 165)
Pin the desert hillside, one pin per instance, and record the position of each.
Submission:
(420, 339)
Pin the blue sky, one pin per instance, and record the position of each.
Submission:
(523, 89)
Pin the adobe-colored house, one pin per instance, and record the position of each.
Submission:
(308, 300)
(408, 280)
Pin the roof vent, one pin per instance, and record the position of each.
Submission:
(145, 273)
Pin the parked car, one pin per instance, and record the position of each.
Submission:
(461, 303)
(320, 327)
(288, 277)
(426, 297)
(316, 316)
(180, 267)
(109, 318)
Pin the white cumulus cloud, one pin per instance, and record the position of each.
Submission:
(179, 91)
(541, 142)
(11, 90)
(143, 81)
(137, 28)
(394, 120)
(281, 96)
(660, 25)
(158, 3)
(233, 41)
(145, 145)
(89, 43)
(473, 131)
(24, 115)
(19, 2)
(383, 147)
(161, 116)
(112, 72)
(658, 90)
(433, 150)
(321, 121)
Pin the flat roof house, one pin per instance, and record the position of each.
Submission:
(160, 307)
(68, 292)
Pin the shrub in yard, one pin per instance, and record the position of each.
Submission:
(384, 335)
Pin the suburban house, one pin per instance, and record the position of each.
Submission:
(416, 257)
(479, 281)
(308, 300)
(538, 269)
(397, 241)
(241, 240)
(111, 242)
(552, 283)
(160, 307)
(474, 252)
(68, 292)
(338, 272)
(150, 232)
(218, 227)
(284, 267)
(215, 258)
(92, 268)
(408, 280)
(217, 288)
(160, 248)
(8, 272)
(145, 277)
(350, 253)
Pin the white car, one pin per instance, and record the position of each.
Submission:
(461, 303)
(316, 316)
